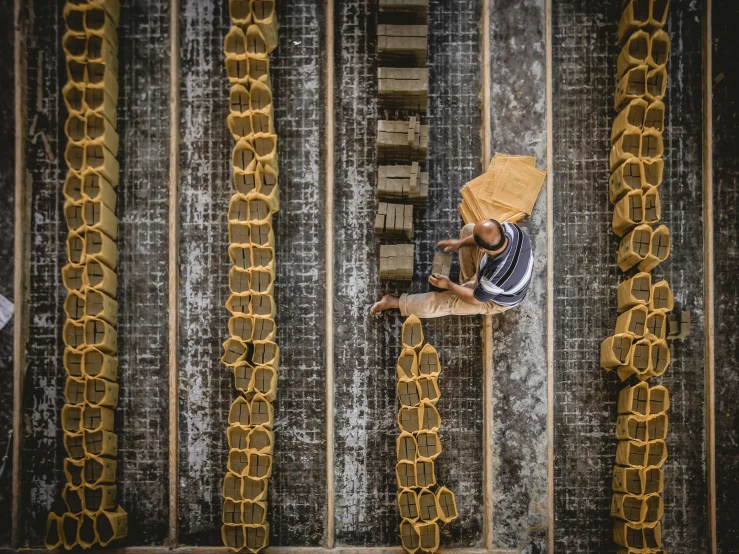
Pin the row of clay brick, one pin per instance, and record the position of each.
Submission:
(638, 350)
(402, 84)
(261, 13)
(70, 530)
(402, 46)
(422, 504)
(639, 345)
(637, 146)
(402, 141)
(403, 183)
(399, 142)
(250, 352)
(645, 49)
(638, 480)
(396, 262)
(92, 515)
(636, 138)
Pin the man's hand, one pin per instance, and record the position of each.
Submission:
(450, 245)
(440, 281)
(463, 293)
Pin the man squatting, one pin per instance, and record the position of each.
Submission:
(496, 263)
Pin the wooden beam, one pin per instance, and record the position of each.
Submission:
(21, 261)
(330, 493)
(487, 426)
(277, 550)
(550, 278)
(487, 329)
(486, 85)
(174, 275)
(708, 310)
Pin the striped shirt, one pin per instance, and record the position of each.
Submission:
(505, 279)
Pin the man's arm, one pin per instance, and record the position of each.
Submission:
(452, 245)
(463, 293)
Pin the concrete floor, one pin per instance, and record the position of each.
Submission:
(539, 489)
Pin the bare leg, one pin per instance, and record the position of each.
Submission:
(388, 302)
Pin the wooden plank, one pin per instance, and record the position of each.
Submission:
(585, 273)
(173, 221)
(487, 328)
(685, 495)
(330, 527)
(206, 386)
(283, 550)
(41, 476)
(708, 265)
(519, 353)
(143, 194)
(15, 248)
(550, 279)
(725, 123)
(297, 506)
(366, 349)
(295, 512)
(364, 404)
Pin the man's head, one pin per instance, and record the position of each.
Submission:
(489, 235)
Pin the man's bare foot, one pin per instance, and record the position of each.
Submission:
(388, 302)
